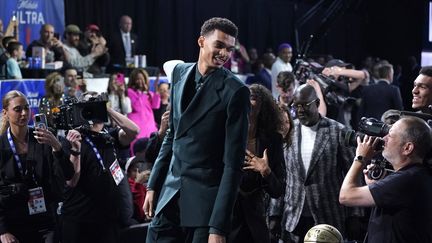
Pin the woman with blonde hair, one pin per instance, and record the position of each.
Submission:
(33, 170)
(143, 101)
(54, 95)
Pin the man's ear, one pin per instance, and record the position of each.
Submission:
(408, 148)
(201, 41)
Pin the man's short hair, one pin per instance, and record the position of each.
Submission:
(13, 46)
(426, 71)
(418, 132)
(383, 70)
(222, 24)
(6, 40)
(285, 79)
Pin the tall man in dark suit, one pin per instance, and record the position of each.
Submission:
(196, 176)
(263, 77)
(123, 43)
(382, 96)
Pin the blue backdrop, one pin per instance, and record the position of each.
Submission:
(31, 15)
(32, 88)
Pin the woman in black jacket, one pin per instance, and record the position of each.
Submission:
(264, 168)
(33, 169)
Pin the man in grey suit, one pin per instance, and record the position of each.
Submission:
(316, 163)
(196, 176)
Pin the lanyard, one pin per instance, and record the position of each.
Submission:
(14, 151)
(98, 156)
(17, 158)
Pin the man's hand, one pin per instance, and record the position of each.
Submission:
(214, 238)
(74, 137)
(8, 238)
(148, 204)
(365, 146)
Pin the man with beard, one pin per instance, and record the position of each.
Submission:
(422, 91)
(197, 174)
(72, 55)
(316, 163)
(402, 211)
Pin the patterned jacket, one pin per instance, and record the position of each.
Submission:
(319, 186)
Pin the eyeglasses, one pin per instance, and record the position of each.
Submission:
(303, 106)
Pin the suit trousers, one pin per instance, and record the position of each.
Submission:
(297, 236)
(165, 227)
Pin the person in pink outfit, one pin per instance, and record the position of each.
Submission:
(143, 101)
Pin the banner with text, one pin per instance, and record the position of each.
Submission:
(33, 89)
(31, 15)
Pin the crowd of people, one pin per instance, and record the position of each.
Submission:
(211, 158)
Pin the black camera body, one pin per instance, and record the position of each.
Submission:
(371, 127)
(312, 70)
(367, 126)
(378, 170)
(73, 113)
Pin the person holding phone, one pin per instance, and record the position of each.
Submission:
(33, 170)
(117, 95)
(52, 44)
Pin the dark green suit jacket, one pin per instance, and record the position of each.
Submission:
(203, 151)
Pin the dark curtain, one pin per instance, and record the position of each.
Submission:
(168, 29)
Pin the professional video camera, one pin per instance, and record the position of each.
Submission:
(74, 113)
(311, 70)
(371, 127)
(335, 91)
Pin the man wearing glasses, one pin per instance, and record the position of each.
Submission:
(315, 164)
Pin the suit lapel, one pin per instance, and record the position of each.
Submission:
(321, 140)
(205, 99)
(180, 86)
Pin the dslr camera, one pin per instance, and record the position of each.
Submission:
(371, 127)
(73, 113)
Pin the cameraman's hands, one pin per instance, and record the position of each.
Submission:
(44, 136)
(332, 71)
(74, 137)
(365, 146)
(369, 167)
(8, 238)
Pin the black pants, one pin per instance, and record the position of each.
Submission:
(33, 236)
(165, 228)
(89, 232)
(300, 231)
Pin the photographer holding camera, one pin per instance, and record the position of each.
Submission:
(402, 200)
(94, 203)
(33, 169)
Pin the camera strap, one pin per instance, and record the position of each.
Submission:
(96, 151)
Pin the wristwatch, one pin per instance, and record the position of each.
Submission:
(359, 158)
